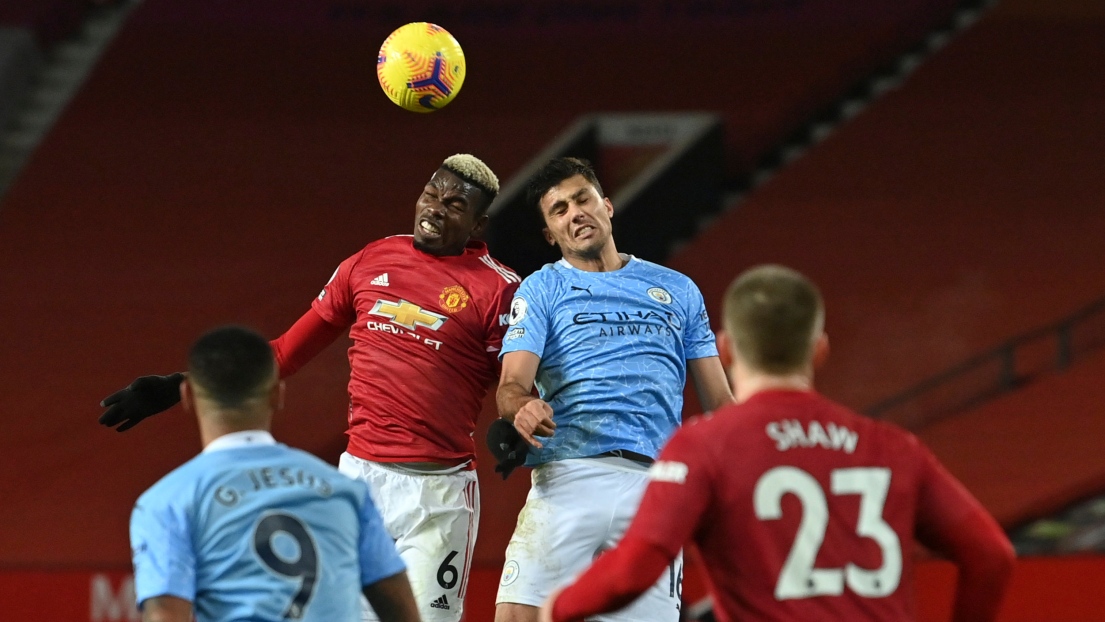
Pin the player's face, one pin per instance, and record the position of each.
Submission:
(577, 219)
(445, 216)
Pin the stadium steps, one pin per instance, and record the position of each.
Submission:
(676, 192)
(959, 210)
(1031, 452)
(64, 69)
(19, 62)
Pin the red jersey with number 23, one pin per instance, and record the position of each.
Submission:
(801, 509)
(426, 334)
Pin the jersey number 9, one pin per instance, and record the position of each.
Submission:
(303, 567)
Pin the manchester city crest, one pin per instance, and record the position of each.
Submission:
(660, 295)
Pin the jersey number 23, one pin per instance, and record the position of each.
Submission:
(798, 578)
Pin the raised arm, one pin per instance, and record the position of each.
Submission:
(150, 395)
(710, 382)
(303, 341)
(145, 397)
(516, 401)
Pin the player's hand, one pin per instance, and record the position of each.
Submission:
(545, 613)
(534, 419)
(508, 447)
(146, 396)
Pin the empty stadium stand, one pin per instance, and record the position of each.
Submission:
(1033, 451)
(220, 162)
(956, 212)
(19, 60)
(49, 20)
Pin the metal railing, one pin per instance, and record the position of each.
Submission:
(1047, 349)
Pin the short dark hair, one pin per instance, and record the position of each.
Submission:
(774, 315)
(555, 171)
(231, 364)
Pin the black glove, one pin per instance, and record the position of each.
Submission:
(146, 396)
(508, 447)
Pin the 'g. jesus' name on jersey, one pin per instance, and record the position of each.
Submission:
(614, 348)
(251, 529)
(426, 331)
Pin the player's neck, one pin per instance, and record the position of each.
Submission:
(213, 426)
(439, 252)
(751, 383)
(607, 260)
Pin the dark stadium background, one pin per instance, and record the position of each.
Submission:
(222, 158)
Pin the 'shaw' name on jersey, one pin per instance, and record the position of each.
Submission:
(789, 434)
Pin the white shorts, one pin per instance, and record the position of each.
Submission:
(575, 510)
(433, 519)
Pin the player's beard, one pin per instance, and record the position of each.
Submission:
(592, 250)
(440, 248)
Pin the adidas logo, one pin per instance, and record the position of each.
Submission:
(440, 603)
(381, 280)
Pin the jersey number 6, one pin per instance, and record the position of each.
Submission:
(798, 578)
(304, 566)
(447, 574)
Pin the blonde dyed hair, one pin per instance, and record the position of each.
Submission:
(774, 315)
(472, 170)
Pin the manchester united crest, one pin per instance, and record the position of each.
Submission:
(454, 298)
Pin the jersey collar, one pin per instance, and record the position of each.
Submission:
(471, 248)
(245, 438)
(629, 260)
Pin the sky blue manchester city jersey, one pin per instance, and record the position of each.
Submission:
(614, 348)
(260, 532)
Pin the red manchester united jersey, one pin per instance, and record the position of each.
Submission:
(801, 509)
(426, 333)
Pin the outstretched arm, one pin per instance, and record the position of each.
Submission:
(303, 341)
(516, 401)
(145, 397)
(150, 395)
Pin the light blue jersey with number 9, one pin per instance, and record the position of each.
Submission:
(260, 531)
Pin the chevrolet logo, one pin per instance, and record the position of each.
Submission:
(407, 314)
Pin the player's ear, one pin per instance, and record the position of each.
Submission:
(820, 351)
(548, 236)
(187, 398)
(276, 396)
(481, 224)
(724, 351)
(725, 354)
(609, 207)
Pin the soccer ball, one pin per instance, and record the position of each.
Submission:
(420, 67)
